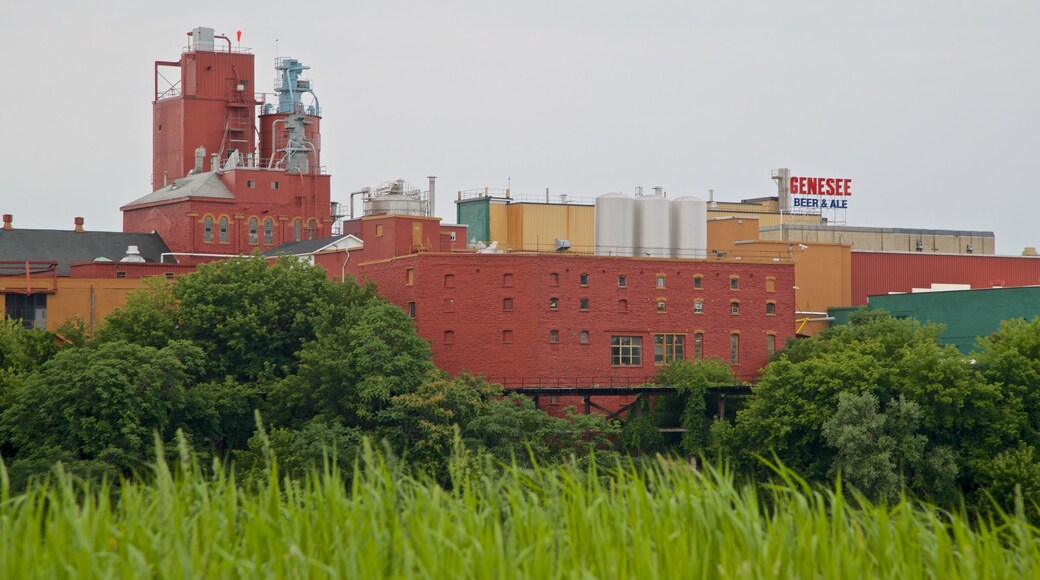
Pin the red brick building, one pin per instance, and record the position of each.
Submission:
(578, 320)
(215, 189)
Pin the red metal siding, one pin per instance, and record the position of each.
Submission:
(886, 272)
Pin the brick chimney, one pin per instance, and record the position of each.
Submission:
(79, 225)
(8, 218)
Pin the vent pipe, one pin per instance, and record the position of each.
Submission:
(658, 191)
(214, 162)
(432, 197)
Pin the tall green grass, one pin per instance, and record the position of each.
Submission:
(662, 520)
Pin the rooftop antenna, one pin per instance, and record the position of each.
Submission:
(276, 48)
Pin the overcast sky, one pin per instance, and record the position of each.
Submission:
(931, 107)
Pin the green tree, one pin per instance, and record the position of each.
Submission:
(875, 449)
(100, 403)
(693, 380)
(961, 415)
(250, 316)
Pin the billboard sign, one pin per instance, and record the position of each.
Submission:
(820, 192)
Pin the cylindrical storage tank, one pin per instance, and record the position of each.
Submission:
(614, 225)
(653, 227)
(689, 227)
(274, 137)
(394, 204)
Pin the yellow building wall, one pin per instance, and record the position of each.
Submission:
(91, 299)
(535, 226)
(498, 228)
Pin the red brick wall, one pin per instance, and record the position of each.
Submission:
(181, 223)
(471, 307)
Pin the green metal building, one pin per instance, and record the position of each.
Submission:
(967, 314)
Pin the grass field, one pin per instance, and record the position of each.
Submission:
(664, 520)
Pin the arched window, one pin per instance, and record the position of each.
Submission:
(253, 225)
(268, 231)
(297, 230)
(207, 229)
(223, 230)
(312, 228)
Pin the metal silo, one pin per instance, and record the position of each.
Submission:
(653, 226)
(615, 225)
(689, 227)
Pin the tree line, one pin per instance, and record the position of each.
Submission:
(879, 402)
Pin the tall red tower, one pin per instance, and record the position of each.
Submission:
(210, 105)
(214, 192)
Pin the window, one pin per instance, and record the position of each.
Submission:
(250, 183)
(668, 348)
(698, 307)
(507, 279)
(312, 228)
(409, 276)
(771, 284)
(583, 304)
(223, 230)
(734, 308)
(734, 349)
(120, 274)
(449, 280)
(507, 304)
(268, 231)
(411, 310)
(449, 337)
(449, 305)
(554, 279)
(734, 282)
(253, 226)
(660, 280)
(770, 344)
(554, 336)
(207, 229)
(31, 309)
(661, 304)
(583, 279)
(770, 308)
(698, 346)
(698, 282)
(554, 399)
(275, 184)
(507, 336)
(297, 230)
(626, 351)
(451, 236)
(169, 275)
(554, 303)
(622, 305)
(622, 281)
(583, 337)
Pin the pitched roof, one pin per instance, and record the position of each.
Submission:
(69, 247)
(347, 241)
(200, 185)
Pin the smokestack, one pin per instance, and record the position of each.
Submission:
(214, 162)
(433, 189)
(8, 218)
(79, 225)
(200, 156)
